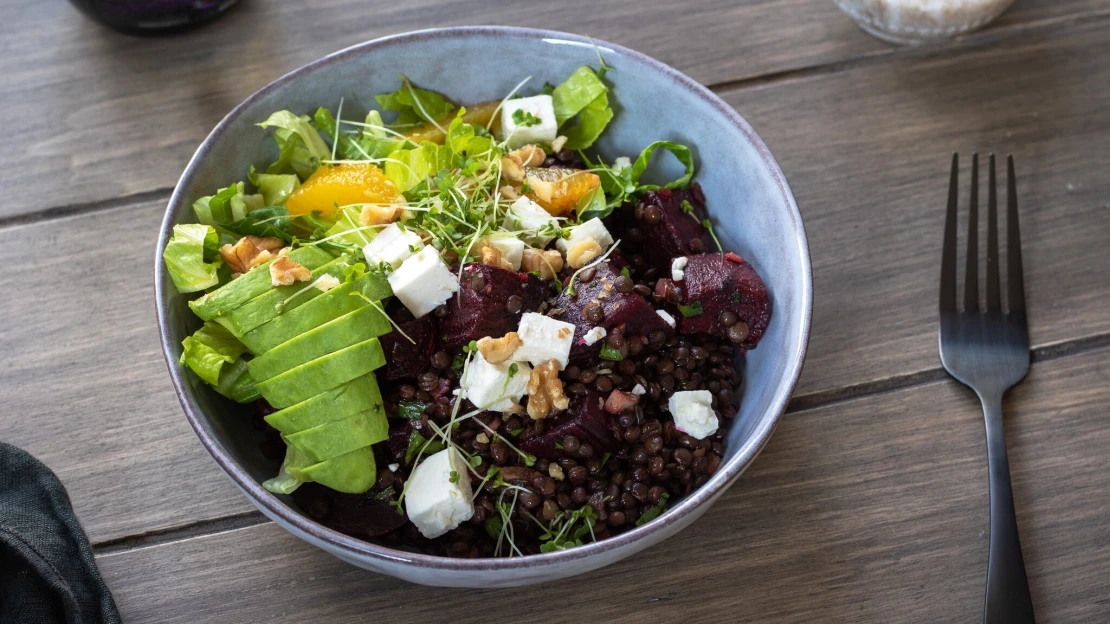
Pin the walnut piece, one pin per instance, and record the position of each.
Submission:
(499, 350)
(548, 263)
(545, 391)
(513, 163)
(284, 272)
(558, 143)
(492, 257)
(379, 215)
(249, 252)
(268, 243)
(582, 252)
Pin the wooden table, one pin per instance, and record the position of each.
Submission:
(870, 502)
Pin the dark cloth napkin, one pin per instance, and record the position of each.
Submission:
(47, 571)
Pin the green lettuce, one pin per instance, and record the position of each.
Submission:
(464, 140)
(585, 96)
(302, 149)
(415, 105)
(209, 349)
(681, 152)
(272, 221)
(227, 205)
(276, 188)
(187, 257)
(368, 144)
(284, 482)
(408, 167)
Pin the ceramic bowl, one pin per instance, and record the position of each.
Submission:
(748, 198)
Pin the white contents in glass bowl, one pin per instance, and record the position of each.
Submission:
(920, 21)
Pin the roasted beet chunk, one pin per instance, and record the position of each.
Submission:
(600, 294)
(668, 229)
(734, 301)
(403, 358)
(585, 420)
(483, 307)
(358, 515)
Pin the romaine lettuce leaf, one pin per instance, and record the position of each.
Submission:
(409, 167)
(591, 122)
(186, 254)
(236, 383)
(464, 140)
(576, 93)
(681, 152)
(227, 205)
(208, 349)
(415, 105)
(285, 483)
(276, 188)
(302, 149)
(346, 220)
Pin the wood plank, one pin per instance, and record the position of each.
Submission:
(97, 115)
(83, 383)
(867, 153)
(872, 510)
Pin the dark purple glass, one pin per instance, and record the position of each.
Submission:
(152, 16)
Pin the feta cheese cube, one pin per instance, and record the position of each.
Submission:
(511, 247)
(392, 246)
(594, 335)
(537, 107)
(677, 268)
(692, 411)
(525, 214)
(438, 495)
(666, 316)
(495, 387)
(593, 228)
(423, 282)
(639, 390)
(544, 338)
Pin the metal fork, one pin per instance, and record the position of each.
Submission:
(988, 351)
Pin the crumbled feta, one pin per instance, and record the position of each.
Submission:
(525, 214)
(677, 266)
(692, 411)
(392, 246)
(544, 339)
(620, 163)
(594, 335)
(540, 107)
(666, 316)
(593, 228)
(393, 467)
(511, 247)
(326, 282)
(639, 390)
(495, 387)
(438, 493)
(423, 282)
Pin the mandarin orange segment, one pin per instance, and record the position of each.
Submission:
(343, 185)
(559, 191)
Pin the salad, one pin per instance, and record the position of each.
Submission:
(461, 330)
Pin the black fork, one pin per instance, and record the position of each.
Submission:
(988, 351)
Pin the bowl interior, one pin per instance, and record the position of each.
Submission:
(750, 203)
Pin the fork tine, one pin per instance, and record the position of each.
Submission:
(994, 303)
(948, 256)
(1015, 283)
(971, 282)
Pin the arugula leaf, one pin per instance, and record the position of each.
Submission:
(576, 93)
(185, 257)
(611, 354)
(654, 512)
(208, 349)
(694, 309)
(416, 442)
(681, 152)
(616, 182)
(414, 104)
(273, 222)
(410, 409)
(594, 206)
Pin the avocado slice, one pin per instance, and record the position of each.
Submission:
(351, 328)
(264, 308)
(351, 473)
(336, 438)
(359, 394)
(317, 311)
(312, 378)
(252, 284)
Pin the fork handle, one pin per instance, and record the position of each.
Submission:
(1007, 600)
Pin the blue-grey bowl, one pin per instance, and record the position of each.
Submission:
(748, 198)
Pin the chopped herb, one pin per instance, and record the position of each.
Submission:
(693, 309)
(687, 207)
(610, 353)
(457, 363)
(559, 445)
(523, 118)
(516, 432)
(654, 512)
(525, 188)
(605, 458)
(410, 409)
(736, 296)
(625, 272)
(418, 442)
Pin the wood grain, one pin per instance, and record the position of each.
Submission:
(94, 115)
(867, 153)
(873, 510)
(83, 384)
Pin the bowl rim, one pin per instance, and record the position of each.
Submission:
(275, 508)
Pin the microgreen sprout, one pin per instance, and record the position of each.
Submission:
(709, 226)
